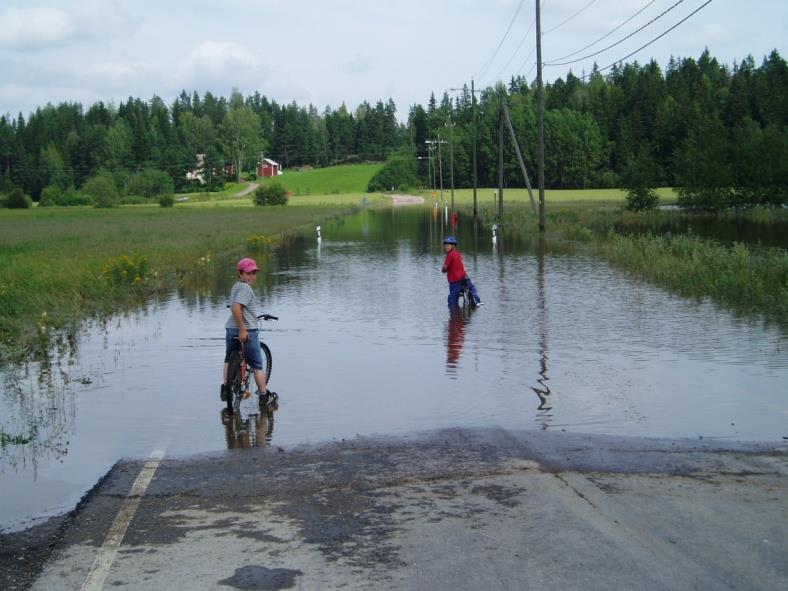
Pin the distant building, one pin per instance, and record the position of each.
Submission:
(198, 173)
(229, 169)
(268, 168)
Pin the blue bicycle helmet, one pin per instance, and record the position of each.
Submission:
(450, 240)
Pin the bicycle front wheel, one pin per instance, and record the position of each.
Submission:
(267, 361)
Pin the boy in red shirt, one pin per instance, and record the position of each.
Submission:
(455, 272)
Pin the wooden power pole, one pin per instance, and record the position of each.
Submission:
(540, 115)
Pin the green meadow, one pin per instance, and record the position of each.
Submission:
(342, 179)
(486, 196)
(59, 266)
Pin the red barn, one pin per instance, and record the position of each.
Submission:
(268, 168)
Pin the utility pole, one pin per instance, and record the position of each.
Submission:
(473, 117)
(440, 165)
(500, 156)
(450, 125)
(540, 115)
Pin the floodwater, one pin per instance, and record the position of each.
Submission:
(366, 345)
(723, 228)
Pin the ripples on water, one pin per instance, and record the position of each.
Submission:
(367, 345)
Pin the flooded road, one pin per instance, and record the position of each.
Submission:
(366, 345)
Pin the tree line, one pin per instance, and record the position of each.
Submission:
(715, 132)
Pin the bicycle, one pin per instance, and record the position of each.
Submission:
(468, 301)
(240, 376)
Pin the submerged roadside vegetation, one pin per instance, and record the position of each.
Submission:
(61, 266)
(745, 277)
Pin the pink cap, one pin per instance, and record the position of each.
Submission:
(246, 265)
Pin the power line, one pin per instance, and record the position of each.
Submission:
(526, 62)
(498, 76)
(580, 59)
(497, 49)
(559, 25)
(608, 33)
(657, 37)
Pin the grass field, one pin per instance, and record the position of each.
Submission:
(486, 196)
(348, 178)
(61, 265)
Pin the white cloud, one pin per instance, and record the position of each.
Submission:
(25, 28)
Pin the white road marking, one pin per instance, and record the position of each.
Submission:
(109, 549)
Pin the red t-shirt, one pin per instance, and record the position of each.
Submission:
(455, 270)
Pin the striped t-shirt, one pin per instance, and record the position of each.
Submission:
(242, 294)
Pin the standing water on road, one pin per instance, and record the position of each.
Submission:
(366, 345)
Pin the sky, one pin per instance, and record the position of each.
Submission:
(329, 52)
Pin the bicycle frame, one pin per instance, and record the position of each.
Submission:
(239, 384)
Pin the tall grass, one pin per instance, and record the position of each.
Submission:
(737, 276)
(744, 278)
(59, 266)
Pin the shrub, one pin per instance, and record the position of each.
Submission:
(151, 183)
(639, 176)
(273, 194)
(102, 190)
(17, 199)
(51, 195)
(72, 197)
(641, 199)
(400, 172)
(258, 242)
(167, 200)
(126, 270)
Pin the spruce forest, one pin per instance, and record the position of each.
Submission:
(714, 131)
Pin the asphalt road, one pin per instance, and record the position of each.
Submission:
(450, 510)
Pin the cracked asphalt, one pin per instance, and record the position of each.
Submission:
(455, 509)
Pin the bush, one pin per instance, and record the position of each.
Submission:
(50, 196)
(639, 176)
(151, 183)
(273, 194)
(400, 172)
(72, 197)
(704, 198)
(17, 199)
(167, 200)
(102, 190)
(641, 199)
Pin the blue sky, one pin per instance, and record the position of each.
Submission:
(333, 51)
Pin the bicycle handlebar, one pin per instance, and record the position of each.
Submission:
(263, 316)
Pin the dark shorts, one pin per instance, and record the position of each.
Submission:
(252, 350)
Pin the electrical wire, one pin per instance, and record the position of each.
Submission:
(498, 76)
(497, 49)
(657, 37)
(606, 35)
(559, 25)
(559, 63)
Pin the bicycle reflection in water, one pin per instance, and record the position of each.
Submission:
(251, 427)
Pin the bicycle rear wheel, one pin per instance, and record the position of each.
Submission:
(235, 379)
(470, 299)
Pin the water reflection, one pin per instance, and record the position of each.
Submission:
(40, 412)
(244, 430)
(542, 391)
